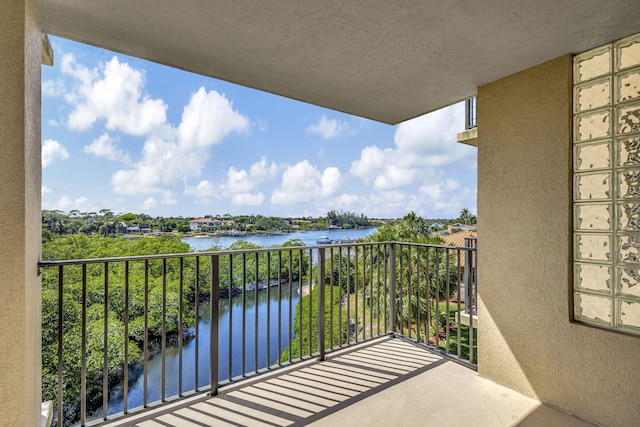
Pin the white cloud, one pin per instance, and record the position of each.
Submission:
(53, 123)
(112, 92)
(52, 151)
(173, 155)
(303, 182)
(241, 181)
(104, 146)
(422, 145)
(248, 199)
(53, 88)
(203, 189)
(208, 118)
(148, 204)
(46, 190)
(66, 204)
(329, 128)
(168, 198)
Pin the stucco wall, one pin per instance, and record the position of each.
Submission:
(526, 339)
(20, 229)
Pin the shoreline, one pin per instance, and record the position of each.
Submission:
(305, 289)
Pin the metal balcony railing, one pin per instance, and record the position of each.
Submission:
(131, 332)
(471, 113)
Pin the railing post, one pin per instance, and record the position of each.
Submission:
(321, 304)
(213, 333)
(392, 287)
(467, 278)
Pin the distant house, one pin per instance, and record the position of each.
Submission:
(203, 224)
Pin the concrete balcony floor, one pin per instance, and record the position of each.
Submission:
(386, 382)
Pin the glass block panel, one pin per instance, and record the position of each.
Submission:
(594, 94)
(593, 276)
(593, 217)
(628, 118)
(593, 156)
(595, 63)
(629, 217)
(629, 151)
(629, 313)
(629, 184)
(593, 307)
(628, 85)
(596, 247)
(593, 186)
(629, 248)
(628, 52)
(629, 281)
(593, 125)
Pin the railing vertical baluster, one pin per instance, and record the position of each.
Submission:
(310, 300)
(213, 331)
(387, 292)
(427, 320)
(60, 330)
(290, 327)
(364, 291)
(196, 309)
(255, 313)
(348, 294)
(83, 368)
(268, 309)
(280, 308)
(437, 298)
(418, 305)
(400, 288)
(458, 314)
(331, 298)
(392, 287)
(448, 293)
(244, 314)
(371, 291)
(355, 292)
(300, 256)
(180, 320)
(145, 362)
(409, 277)
(125, 368)
(472, 302)
(321, 304)
(163, 339)
(105, 366)
(340, 297)
(378, 287)
(230, 300)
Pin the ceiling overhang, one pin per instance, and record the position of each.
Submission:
(388, 61)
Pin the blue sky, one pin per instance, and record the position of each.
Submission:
(130, 135)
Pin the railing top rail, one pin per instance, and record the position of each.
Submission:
(237, 252)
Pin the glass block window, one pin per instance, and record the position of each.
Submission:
(606, 186)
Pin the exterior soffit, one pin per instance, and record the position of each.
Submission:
(389, 62)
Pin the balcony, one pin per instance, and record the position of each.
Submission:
(470, 134)
(120, 321)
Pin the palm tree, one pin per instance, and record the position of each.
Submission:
(465, 216)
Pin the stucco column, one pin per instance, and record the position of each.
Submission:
(20, 223)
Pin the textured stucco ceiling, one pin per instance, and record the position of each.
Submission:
(387, 60)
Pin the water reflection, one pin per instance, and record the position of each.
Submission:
(260, 313)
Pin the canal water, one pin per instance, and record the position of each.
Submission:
(309, 238)
(272, 306)
(172, 361)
